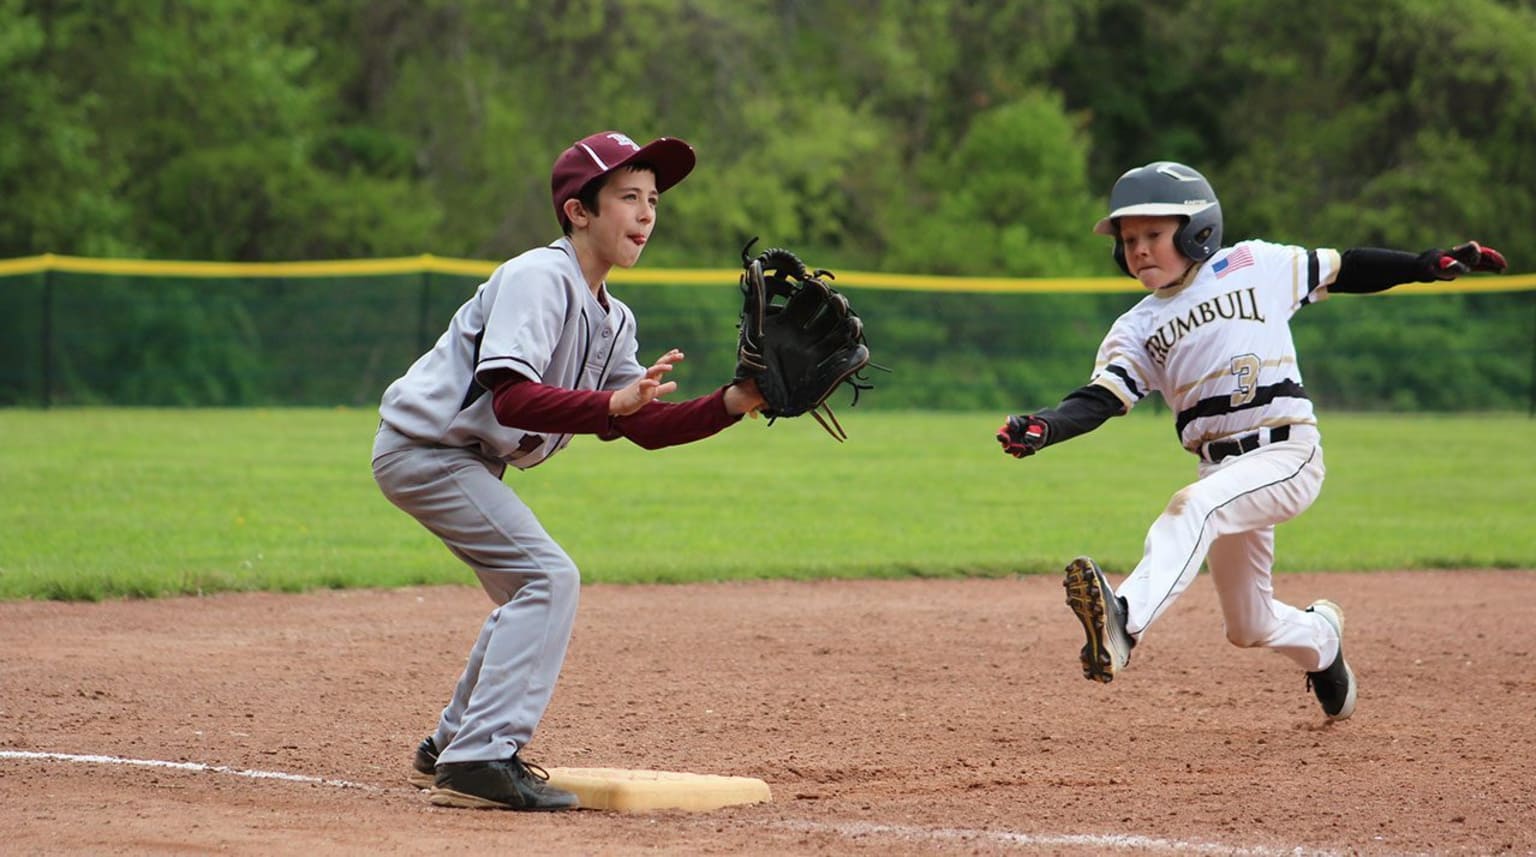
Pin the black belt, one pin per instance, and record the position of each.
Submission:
(1219, 449)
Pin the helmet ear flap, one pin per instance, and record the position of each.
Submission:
(1119, 253)
(1200, 236)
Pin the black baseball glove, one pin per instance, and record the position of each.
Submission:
(799, 339)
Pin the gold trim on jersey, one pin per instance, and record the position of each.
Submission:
(1127, 360)
(1102, 381)
(1298, 276)
(1301, 295)
(1320, 292)
(1226, 372)
(1335, 261)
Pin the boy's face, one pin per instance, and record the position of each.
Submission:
(626, 214)
(1150, 252)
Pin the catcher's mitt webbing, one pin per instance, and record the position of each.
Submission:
(799, 339)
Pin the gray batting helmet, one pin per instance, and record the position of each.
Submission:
(1164, 188)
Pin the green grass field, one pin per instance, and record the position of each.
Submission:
(124, 502)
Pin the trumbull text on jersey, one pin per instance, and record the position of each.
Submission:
(1236, 305)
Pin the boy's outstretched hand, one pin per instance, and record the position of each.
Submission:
(1023, 435)
(650, 387)
(1465, 259)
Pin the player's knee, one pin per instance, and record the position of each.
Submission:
(564, 576)
(1245, 638)
(552, 578)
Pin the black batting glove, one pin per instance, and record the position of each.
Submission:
(1023, 435)
(1463, 259)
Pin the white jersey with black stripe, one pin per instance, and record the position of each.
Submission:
(1218, 346)
(535, 316)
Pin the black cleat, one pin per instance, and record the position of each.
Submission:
(1102, 614)
(500, 784)
(424, 766)
(1334, 687)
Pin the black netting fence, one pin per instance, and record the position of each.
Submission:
(70, 338)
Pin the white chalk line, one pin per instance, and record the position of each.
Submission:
(184, 766)
(1100, 842)
(851, 830)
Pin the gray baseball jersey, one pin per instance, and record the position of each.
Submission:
(439, 456)
(535, 316)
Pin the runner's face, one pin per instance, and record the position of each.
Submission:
(1149, 250)
(627, 214)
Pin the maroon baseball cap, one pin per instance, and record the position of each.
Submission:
(603, 152)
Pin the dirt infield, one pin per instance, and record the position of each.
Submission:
(889, 718)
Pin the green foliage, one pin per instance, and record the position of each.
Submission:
(811, 191)
(190, 134)
(1422, 357)
(920, 136)
(105, 503)
(1014, 202)
(911, 135)
(58, 191)
(1358, 134)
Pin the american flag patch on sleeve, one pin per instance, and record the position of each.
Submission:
(1239, 258)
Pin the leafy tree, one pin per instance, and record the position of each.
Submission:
(937, 136)
(57, 190)
(1010, 199)
(1359, 133)
(186, 134)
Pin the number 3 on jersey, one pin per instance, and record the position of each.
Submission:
(1245, 367)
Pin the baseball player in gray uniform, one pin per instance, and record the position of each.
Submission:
(542, 352)
(1213, 338)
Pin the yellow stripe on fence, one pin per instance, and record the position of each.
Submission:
(429, 264)
(171, 268)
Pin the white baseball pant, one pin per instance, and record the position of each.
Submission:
(1227, 519)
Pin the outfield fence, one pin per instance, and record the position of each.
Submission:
(79, 331)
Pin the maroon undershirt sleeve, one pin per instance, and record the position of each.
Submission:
(539, 407)
(660, 424)
(556, 410)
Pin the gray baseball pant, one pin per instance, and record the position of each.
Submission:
(509, 679)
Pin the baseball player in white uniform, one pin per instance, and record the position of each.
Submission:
(540, 353)
(1213, 338)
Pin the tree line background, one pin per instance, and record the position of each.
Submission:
(919, 136)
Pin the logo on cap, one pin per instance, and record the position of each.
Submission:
(669, 158)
